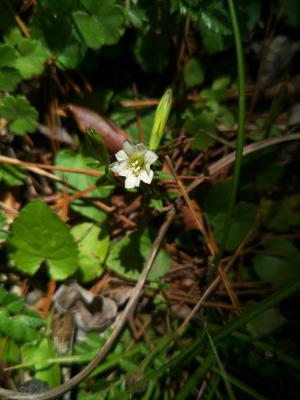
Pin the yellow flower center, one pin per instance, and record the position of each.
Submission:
(136, 165)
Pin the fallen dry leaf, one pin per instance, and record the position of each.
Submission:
(113, 136)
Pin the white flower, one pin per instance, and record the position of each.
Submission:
(134, 163)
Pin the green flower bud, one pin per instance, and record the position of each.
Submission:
(160, 119)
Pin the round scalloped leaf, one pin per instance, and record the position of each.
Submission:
(31, 58)
(128, 256)
(19, 112)
(37, 236)
(9, 78)
(8, 56)
(93, 246)
(100, 22)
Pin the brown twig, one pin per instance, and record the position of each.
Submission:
(25, 164)
(18, 20)
(199, 222)
(250, 148)
(48, 298)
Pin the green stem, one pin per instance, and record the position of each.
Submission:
(237, 383)
(213, 387)
(241, 130)
(195, 378)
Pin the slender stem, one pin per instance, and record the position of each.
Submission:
(241, 130)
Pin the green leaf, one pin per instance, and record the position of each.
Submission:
(214, 199)
(100, 23)
(152, 61)
(226, 118)
(269, 176)
(221, 84)
(20, 328)
(279, 262)
(217, 93)
(13, 36)
(83, 395)
(261, 171)
(93, 341)
(10, 301)
(136, 16)
(11, 175)
(15, 304)
(10, 351)
(39, 355)
(52, 23)
(265, 323)
(214, 17)
(212, 41)
(80, 182)
(93, 246)
(282, 215)
(38, 235)
(32, 57)
(97, 146)
(157, 204)
(205, 120)
(243, 218)
(21, 115)
(3, 233)
(31, 318)
(8, 56)
(163, 175)
(193, 73)
(9, 78)
(27, 323)
(72, 53)
(127, 256)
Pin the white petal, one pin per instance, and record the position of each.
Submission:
(146, 177)
(132, 181)
(140, 148)
(121, 155)
(128, 147)
(150, 157)
(118, 166)
(125, 172)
